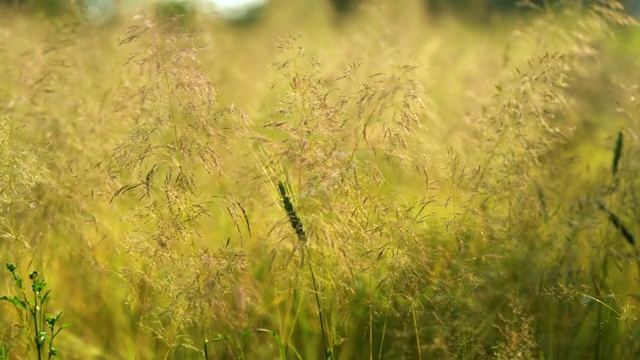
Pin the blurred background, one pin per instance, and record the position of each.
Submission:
(102, 11)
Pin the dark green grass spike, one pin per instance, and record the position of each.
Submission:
(296, 224)
(615, 220)
(543, 203)
(617, 154)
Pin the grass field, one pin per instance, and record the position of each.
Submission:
(386, 185)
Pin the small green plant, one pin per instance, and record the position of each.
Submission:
(44, 327)
(4, 352)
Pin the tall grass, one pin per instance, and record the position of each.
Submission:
(385, 187)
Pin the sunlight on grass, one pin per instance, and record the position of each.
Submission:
(320, 183)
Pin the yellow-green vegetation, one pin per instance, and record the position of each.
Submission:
(378, 185)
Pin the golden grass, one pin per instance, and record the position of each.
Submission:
(383, 186)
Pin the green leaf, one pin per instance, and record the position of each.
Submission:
(11, 267)
(38, 285)
(15, 301)
(42, 337)
(64, 326)
(51, 320)
(4, 352)
(44, 298)
(617, 154)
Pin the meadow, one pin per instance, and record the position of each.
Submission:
(379, 185)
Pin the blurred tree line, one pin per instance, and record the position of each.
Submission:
(49, 7)
(483, 8)
(474, 9)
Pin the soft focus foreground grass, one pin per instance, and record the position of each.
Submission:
(454, 182)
